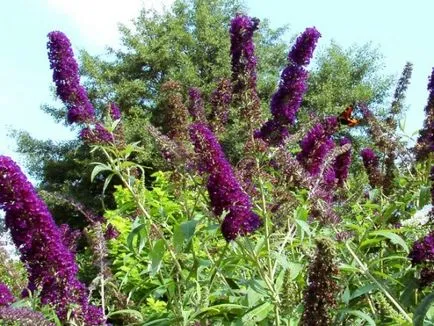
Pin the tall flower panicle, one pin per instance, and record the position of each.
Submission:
(51, 266)
(196, 107)
(115, 112)
(342, 163)
(175, 119)
(286, 101)
(422, 253)
(243, 52)
(371, 163)
(302, 50)
(431, 177)
(320, 295)
(224, 190)
(399, 95)
(6, 297)
(67, 79)
(23, 317)
(316, 145)
(425, 141)
(97, 134)
(382, 139)
(220, 100)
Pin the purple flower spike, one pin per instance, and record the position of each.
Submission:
(50, 265)
(224, 190)
(97, 135)
(342, 163)
(67, 79)
(425, 142)
(423, 250)
(314, 147)
(371, 163)
(243, 50)
(302, 51)
(6, 297)
(196, 108)
(286, 102)
(115, 112)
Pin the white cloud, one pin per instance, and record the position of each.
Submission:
(97, 20)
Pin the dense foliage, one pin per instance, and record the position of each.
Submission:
(225, 195)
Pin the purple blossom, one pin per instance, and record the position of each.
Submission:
(111, 232)
(196, 108)
(243, 51)
(273, 132)
(115, 112)
(286, 101)
(224, 190)
(67, 79)
(220, 100)
(423, 250)
(50, 265)
(371, 163)
(315, 146)
(342, 163)
(97, 134)
(69, 237)
(302, 51)
(425, 141)
(6, 297)
(23, 316)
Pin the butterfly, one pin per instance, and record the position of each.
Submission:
(345, 117)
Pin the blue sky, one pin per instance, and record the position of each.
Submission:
(401, 31)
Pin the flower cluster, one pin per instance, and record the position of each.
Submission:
(224, 190)
(371, 163)
(175, 119)
(67, 79)
(425, 142)
(115, 112)
(316, 145)
(6, 297)
(422, 253)
(243, 52)
(195, 107)
(302, 50)
(51, 266)
(97, 134)
(423, 250)
(399, 95)
(421, 217)
(23, 316)
(320, 295)
(286, 101)
(220, 100)
(342, 163)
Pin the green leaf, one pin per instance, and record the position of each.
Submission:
(136, 232)
(220, 309)
(188, 229)
(98, 169)
(304, 226)
(135, 313)
(362, 290)
(258, 313)
(349, 268)
(424, 196)
(422, 309)
(295, 269)
(156, 255)
(393, 237)
(361, 315)
(178, 238)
